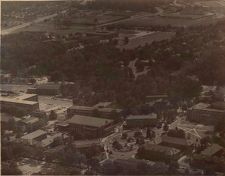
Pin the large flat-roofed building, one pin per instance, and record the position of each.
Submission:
(28, 97)
(208, 114)
(80, 110)
(90, 127)
(46, 89)
(34, 138)
(105, 112)
(9, 104)
(141, 121)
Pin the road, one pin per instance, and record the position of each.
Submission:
(134, 69)
(135, 17)
(38, 20)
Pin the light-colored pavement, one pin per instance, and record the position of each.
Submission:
(135, 17)
(38, 20)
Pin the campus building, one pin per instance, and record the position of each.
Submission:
(12, 104)
(101, 112)
(89, 127)
(155, 152)
(141, 121)
(46, 89)
(207, 114)
(34, 138)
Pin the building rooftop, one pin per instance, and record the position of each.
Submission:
(25, 96)
(31, 120)
(207, 107)
(132, 162)
(175, 140)
(102, 104)
(89, 121)
(48, 86)
(109, 110)
(212, 150)
(84, 108)
(34, 134)
(50, 139)
(142, 117)
(163, 149)
(86, 143)
(19, 101)
(200, 106)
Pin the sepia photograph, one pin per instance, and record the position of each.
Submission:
(112, 87)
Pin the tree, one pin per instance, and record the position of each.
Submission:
(165, 127)
(184, 88)
(124, 136)
(126, 40)
(137, 134)
(176, 133)
(52, 115)
(117, 145)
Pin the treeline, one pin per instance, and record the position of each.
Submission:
(194, 54)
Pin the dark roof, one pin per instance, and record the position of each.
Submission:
(85, 108)
(142, 117)
(175, 140)
(48, 86)
(211, 150)
(132, 162)
(89, 121)
(160, 148)
(86, 143)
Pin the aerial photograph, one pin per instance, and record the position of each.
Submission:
(112, 87)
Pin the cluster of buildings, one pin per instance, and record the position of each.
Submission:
(85, 126)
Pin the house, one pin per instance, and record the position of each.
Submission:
(155, 152)
(34, 138)
(207, 114)
(46, 89)
(90, 127)
(175, 142)
(141, 121)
